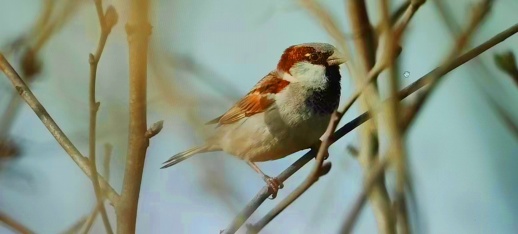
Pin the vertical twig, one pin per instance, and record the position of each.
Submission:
(53, 128)
(106, 21)
(138, 29)
(366, 47)
(106, 165)
(478, 15)
(396, 150)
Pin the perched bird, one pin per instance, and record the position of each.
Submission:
(285, 112)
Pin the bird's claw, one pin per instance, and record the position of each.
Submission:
(273, 186)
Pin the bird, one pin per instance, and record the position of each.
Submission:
(288, 110)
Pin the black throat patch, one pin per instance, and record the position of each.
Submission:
(325, 101)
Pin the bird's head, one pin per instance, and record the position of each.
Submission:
(309, 62)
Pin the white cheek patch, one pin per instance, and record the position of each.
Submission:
(310, 74)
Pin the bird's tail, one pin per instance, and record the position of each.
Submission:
(179, 157)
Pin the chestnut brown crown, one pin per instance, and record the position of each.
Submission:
(315, 53)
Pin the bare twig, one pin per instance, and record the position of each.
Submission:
(375, 174)
(107, 22)
(366, 41)
(13, 224)
(479, 13)
(87, 221)
(53, 128)
(366, 49)
(438, 72)
(106, 165)
(263, 194)
(407, 16)
(49, 28)
(138, 30)
(76, 227)
(506, 61)
(392, 120)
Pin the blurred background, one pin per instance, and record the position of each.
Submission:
(204, 55)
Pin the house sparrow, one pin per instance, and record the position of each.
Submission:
(286, 111)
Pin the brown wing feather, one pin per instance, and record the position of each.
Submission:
(256, 101)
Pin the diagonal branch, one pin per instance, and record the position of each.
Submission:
(479, 12)
(53, 128)
(263, 194)
(13, 224)
(366, 51)
(423, 81)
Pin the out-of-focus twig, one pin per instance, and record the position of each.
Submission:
(376, 173)
(107, 21)
(13, 224)
(351, 125)
(366, 51)
(106, 165)
(512, 125)
(392, 122)
(407, 17)
(76, 227)
(423, 81)
(506, 61)
(478, 15)
(53, 128)
(333, 30)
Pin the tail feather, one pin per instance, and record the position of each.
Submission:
(185, 155)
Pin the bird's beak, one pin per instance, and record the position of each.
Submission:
(336, 58)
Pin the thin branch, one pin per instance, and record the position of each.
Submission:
(366, 49)
(75, 227)
(53, 128)
(138, 29)
(506, 61)
(479, 13)
(333, 30)
(89, 221)
(50, 28)
(366, 41)
(106, 165)
(263, 194)
(375, 175)
(407, 16)
(423, 81)
(13, 224)
(107, 22)
(392, 121)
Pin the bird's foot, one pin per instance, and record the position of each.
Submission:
(273, 185)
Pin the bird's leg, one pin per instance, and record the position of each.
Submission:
(315, 148)
(273, 183)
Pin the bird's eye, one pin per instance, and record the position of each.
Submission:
(314, 57)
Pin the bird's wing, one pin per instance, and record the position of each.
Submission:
(256, 101)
